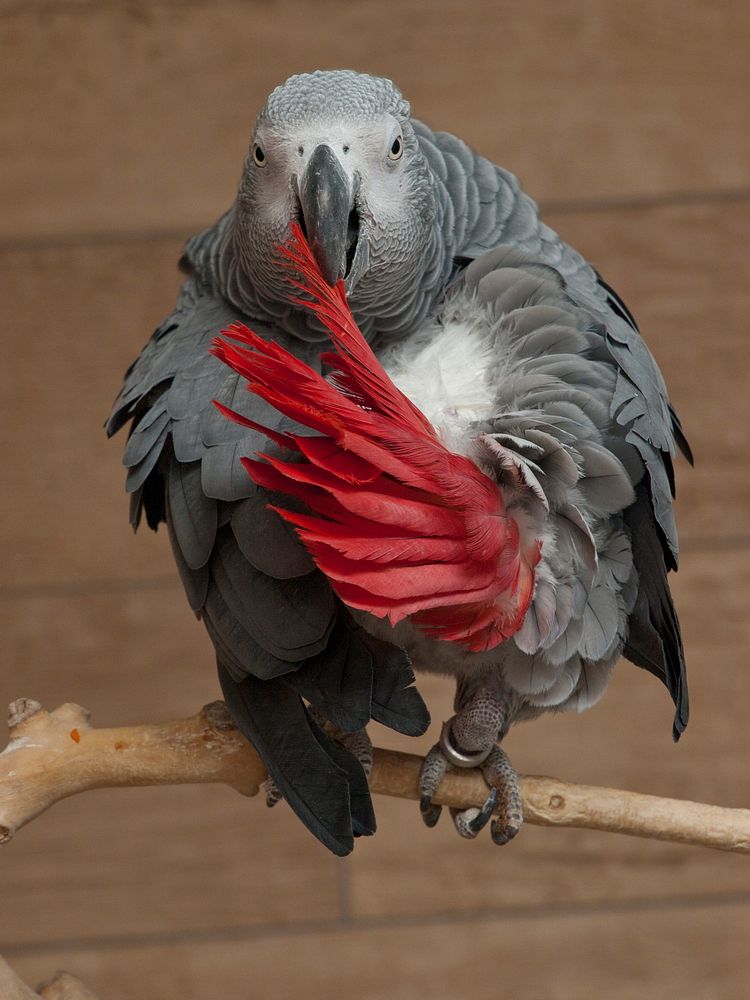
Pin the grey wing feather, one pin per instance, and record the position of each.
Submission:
(222, 475)
(654, 641)
(138, 474)
(146, 434)
(268, 542)
(193, 515)
(186, 439)
(194, 581)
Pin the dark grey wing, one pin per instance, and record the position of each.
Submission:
(280, 634)
(654, 640)
(654, 637)
(617, 306)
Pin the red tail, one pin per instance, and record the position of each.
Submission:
(399, 524)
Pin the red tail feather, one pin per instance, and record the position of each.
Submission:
(399, 524)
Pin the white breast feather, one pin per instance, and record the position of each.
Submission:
(443, 371)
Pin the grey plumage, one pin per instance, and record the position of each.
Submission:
(584, 414)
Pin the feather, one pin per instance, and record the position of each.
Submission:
(236, 647)
(531, 675)
(592, 684)
(563, 613)
(192, 514)
(338, 681)
(145, 435)
(568, 644)
(605, 483)
(615, 560)
(267, 541)
(600, 623)
(138, 474)
(560, 690)
(555, 338)
(539, 618)
(195, 581)
(396, 702)
(523, 471)
(654, 641)
(186, 439)
(572, 528)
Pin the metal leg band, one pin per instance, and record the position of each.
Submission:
(456, 757)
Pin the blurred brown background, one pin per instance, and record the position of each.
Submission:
(124, 129)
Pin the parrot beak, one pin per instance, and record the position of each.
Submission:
(330, 219)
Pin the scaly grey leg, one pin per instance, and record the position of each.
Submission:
(483, 714)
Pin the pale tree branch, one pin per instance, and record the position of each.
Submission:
(11, 987)
(52, 755)
(62, 986)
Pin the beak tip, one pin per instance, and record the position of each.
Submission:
(325, 265)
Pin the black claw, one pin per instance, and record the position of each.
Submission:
(430, 818)
(502, 834)
(430, 813)
(480, 821)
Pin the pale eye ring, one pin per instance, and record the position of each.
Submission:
(259, 157)
(397, 149)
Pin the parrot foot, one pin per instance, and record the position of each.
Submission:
(273, 795)
(504, 798)
(358, 744)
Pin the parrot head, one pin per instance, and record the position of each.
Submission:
(336, 153)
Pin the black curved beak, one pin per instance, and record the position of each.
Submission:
(327, 204)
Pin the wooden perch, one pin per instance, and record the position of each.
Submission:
(62, 986)
(11, 987)
(52, 755)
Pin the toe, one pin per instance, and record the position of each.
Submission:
(433, 771)
(482, 818)
(469, 822)
(500, 774)
(273, 795)
(503, 832)
(430, 813)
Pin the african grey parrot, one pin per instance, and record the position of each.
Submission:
(521, 361)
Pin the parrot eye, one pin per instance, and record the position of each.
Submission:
(397, 148)
(259, 157)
